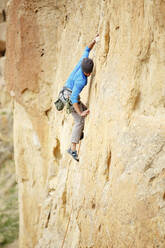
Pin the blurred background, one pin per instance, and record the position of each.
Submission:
(8, 186)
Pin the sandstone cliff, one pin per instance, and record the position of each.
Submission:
(115, 196)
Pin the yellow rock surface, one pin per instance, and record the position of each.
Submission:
(115, 196)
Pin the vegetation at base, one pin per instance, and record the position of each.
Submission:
(9, 220)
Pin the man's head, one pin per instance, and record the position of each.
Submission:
(87, 66)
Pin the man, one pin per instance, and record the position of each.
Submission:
(74, 85)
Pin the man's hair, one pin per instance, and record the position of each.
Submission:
(87, 65)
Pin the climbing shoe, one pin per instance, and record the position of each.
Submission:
(73, 154)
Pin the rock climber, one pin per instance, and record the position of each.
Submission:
(73, 86)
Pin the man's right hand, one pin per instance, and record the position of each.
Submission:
(85, 113)
(77, 109)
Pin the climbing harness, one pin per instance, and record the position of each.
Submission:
(64, 99)
(59, 104)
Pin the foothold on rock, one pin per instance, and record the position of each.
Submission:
(164, 196)
(4, 15)
(2, 39)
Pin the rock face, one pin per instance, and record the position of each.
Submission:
(115, 196)
(3, 4)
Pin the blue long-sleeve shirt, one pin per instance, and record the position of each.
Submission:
(77, 80)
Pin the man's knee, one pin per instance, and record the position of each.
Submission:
(80, 122)
(79, 126)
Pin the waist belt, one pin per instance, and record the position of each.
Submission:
(69, 90)
(65, 88)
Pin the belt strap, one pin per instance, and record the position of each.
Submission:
(65, 88)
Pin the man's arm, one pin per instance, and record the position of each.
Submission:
(74, 98)
(85, 55)
(76, 107)
(83, 113)
(91, 45)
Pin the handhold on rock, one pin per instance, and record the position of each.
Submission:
(2, 38)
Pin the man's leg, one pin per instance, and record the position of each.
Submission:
(76, 132)
(73, 146)
(77, 129)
